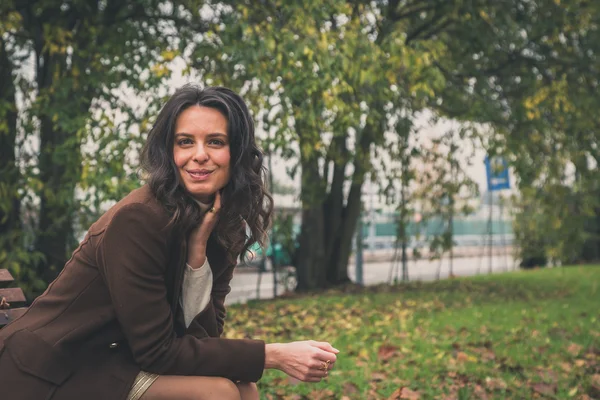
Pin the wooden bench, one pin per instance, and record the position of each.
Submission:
(12, 300)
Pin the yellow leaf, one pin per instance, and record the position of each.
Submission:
(168, 55)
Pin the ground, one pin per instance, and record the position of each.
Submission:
(519, 335)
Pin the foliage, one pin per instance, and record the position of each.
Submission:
(530, 69)
(308, 71)
(70, 65)
(335, 86)
(516, 335)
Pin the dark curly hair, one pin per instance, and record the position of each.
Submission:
(247, 207)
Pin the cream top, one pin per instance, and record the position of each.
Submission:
(196, 286)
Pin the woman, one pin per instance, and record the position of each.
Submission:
(137, 311)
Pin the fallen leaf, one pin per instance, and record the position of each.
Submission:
(405, 393)
(548, 376)
(579, 363)
(409, 394)
(395, 395)
(595, 383)
(461, 356)
(321, 394)
(495, 384)
(485, 353)
(378, 376)
(480, 393)
(566, 366)
(574, 349)
(386, 352)
(350, 388)
(364, 354)
(545, 389)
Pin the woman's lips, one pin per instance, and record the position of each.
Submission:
(199, 175)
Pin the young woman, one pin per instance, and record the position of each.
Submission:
(138, 310)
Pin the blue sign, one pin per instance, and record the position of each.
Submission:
(496, 169)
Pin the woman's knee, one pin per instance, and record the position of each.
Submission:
(248, 390)
(192, 388)
(226, 389)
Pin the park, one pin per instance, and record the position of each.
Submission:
(412, 183)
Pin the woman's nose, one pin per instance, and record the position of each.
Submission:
(200, 155)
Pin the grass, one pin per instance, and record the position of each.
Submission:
(520, 335)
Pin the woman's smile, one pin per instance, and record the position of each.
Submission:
(200, 175)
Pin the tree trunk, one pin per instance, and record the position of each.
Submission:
(10, 203)
(60, 170)
(335, 214)
(337, 268)
(310, 260)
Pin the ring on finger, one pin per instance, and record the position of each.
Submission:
(324, 366)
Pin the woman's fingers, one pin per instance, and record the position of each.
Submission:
(213, 213)
(326, 346)
(217, 203)
(325, 356)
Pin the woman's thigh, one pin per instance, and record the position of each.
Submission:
(170, 387)
(248, 390)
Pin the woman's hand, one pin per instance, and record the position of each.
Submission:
(199, 236)
(308, 361)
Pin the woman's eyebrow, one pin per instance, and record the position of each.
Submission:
(210, 135)
(216, 134)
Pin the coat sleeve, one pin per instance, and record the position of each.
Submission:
(132, 258)
(220, 290)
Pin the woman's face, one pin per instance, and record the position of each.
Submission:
(201, 151)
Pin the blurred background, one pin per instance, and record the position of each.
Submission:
(404, 139)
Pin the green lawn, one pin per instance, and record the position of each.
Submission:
(529, 334)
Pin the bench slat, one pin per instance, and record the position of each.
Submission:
(7, 316)
(14, 296)
(5, 278)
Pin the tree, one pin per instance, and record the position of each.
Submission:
(83, 53)
(532, 72)
(309, 71)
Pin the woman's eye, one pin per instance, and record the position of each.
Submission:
(183, 142)
(216, 142)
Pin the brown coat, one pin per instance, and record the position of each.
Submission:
(114, 310)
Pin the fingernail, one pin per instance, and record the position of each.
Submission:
(336, 350)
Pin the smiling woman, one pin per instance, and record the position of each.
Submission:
(138, 311)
